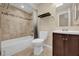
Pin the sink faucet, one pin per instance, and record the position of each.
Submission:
(65, 29)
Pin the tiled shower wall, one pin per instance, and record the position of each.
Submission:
(14, 23)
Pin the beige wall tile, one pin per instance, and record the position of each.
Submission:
(13, 27)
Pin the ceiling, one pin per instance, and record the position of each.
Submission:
(25, 6)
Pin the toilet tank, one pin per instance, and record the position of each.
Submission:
(43, 34)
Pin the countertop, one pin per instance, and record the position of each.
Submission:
(66, 32)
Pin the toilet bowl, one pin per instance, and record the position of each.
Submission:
(39, 42)
(38, 46)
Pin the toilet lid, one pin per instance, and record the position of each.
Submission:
(38, 40)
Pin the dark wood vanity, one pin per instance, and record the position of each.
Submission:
(65, 44)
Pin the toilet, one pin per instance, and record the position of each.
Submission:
(39, 42)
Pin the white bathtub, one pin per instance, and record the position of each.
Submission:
(12, 46)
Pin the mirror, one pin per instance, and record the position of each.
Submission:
(63, 19)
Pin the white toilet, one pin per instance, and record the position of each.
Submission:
(39, 42)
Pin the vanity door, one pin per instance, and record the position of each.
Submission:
(72, 45)
(58, 44)
(65, 45)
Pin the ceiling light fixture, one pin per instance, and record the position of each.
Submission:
(59, 4)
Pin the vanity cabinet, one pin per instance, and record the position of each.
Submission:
(65, 44)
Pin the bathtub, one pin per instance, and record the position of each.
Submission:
(13, 46)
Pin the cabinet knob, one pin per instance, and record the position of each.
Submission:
(66, 39)
(63, 38)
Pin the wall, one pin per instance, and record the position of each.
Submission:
(76, 21)
(48, 23)
(74, 24)
(16, 24)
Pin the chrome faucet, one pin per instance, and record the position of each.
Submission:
(65, 29)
